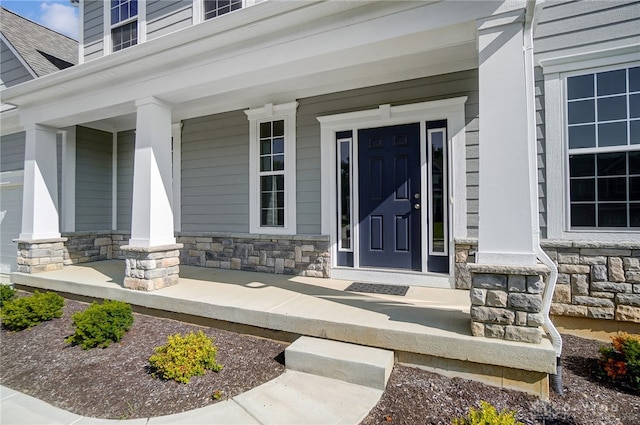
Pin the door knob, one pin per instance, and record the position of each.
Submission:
(416, 206)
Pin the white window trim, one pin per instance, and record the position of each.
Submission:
(270, 112)
(141, 19)
(556, 148)
(385, 115)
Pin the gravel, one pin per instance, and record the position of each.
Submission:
(115, 382)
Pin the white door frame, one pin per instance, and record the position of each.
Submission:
(384, 116)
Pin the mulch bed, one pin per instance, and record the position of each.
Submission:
(115, 382)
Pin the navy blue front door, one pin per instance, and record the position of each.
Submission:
(389, 197)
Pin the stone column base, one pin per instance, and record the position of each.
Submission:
(151, 268)
(506, 301)
(40, 255)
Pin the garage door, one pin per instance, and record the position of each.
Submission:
(10, 224)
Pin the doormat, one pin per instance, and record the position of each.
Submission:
(375, 288)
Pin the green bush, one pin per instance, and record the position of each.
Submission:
(26, 312)
(487, 415)
(184, 357)
(620, 362)
(101, 324)
(6, 294)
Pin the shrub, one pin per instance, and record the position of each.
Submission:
(184, 357)
(101, 324)
(26, 312)
(6, 294)
(620, 362)
(487, 415)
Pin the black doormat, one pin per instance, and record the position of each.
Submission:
(375, 288)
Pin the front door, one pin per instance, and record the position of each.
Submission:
(389, 197)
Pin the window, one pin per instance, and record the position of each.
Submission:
(272, 162)
(603, 138)
(124, 24)
(213, 8)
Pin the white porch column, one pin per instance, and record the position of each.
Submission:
(507, 210)
(40, 194)
(152, 215)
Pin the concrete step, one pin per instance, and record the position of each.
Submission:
(352, 363)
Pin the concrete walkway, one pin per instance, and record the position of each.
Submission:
(426, 324)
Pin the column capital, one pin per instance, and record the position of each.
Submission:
(511, 17)
(152, 100)
(33, 126)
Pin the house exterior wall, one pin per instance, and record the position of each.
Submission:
(126, 144)
(12, 71)
(93, 179)
(165, 16)
(12, 152)
(93, 29)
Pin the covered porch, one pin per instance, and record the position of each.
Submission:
(427, 327)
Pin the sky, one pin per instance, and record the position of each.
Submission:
(59, 15)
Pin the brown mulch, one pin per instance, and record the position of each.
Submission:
(115, 382)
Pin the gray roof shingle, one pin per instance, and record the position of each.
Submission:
(44, 50)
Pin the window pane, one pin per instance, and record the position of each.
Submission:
(612, 108)
(278, 162)
(612, 134)
(634, 188)
(612, 164)
(268, 200)
(582, 111)
(634, 106)
(278, 145)
(612, 82)
(265, 163)
(265, 130)
(280, 217)
(582, 136)
(634, 135)
(580, 87)
(134, 8)
(345, 195)
(634, 162)
(583, 215)
(265, 147)
(583, 190)
(612, 215)
(634, 214)
(634, 79)
(266, 183)
(279, 182)
(278, 128)
(279, 199)
(582, 165)
(612, 189)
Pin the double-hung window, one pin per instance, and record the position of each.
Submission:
(214, 8)
(124, 24)
(603, 138)
(272, 163)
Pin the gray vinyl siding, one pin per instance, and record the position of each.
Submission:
(93, 179)
(166, 16)
(573, 27)
(12, 71)
(215, 173)
(12, 152)
(126, 147)
(93, 29)
(420, 90)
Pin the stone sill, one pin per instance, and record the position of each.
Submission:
(158, 248)
(560, 243)
(254, 236)
(40, 241)
(538, 269)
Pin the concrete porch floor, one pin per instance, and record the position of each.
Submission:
(427, 327)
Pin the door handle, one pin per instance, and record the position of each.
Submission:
(416, 206)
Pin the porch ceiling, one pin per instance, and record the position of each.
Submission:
(271, 52)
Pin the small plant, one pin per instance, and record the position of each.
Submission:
(101, 324)
(620, 362)
(6, 294)
(26, 312)
(487, 415)
(217, 395)
(184, 357)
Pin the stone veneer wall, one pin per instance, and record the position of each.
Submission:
(295, 255)
(598, 280)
